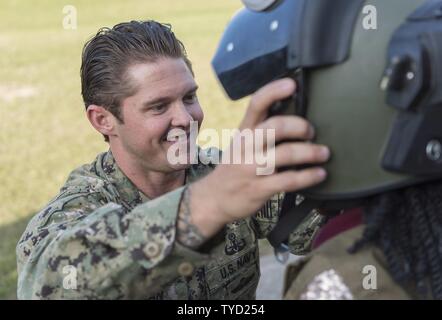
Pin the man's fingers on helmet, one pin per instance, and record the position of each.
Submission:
(289, 127)
(292, 180)
(265, 97)
(288, 154)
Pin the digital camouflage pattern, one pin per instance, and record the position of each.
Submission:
(122, 245)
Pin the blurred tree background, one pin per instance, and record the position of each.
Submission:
(44, 131)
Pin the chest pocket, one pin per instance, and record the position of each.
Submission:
(234, 273)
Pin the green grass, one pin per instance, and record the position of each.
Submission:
(44, 136)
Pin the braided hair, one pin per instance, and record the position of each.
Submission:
(406, 225)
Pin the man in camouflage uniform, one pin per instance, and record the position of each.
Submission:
(130, 225)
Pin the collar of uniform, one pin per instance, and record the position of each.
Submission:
(128, 191)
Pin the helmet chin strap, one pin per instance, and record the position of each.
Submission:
(293, 214)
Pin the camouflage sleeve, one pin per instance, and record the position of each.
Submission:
(106, 253)
(267, 217)
(300, 240)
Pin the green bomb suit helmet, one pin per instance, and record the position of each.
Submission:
(374, 95)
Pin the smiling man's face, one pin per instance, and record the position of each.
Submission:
(165, 100)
